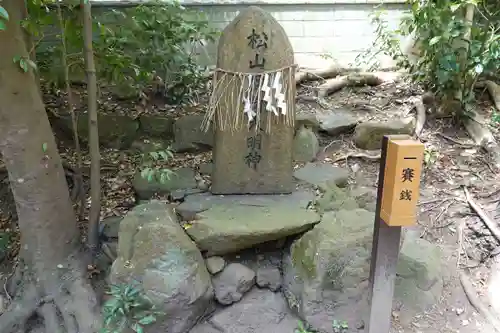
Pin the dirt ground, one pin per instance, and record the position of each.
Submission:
(445, 217)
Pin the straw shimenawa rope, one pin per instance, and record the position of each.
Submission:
(225, 109)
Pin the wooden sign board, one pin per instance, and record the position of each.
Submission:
(401, 185)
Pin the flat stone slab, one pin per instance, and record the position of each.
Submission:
(198, 203)
(226, 224)
(320, 174)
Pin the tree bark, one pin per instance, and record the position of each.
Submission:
(95, 176)
(52, 274)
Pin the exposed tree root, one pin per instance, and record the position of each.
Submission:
(495, 230)
(63, 299)
(371, 156)
(476, 302)
(494, 90)
(421, 115)
(356, 79)
(321, 74)
(477, 128)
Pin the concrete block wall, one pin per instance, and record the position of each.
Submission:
(338, 29)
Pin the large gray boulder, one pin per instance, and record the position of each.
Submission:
(154, 250)
(326, 271)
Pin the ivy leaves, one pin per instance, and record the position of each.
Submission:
(4, 17)
(24, 63)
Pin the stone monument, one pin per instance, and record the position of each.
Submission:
(252, 107)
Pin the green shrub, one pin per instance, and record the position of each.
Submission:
(135, 49)
(450, 65)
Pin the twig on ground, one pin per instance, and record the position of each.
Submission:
(474, 300)
(421, 203)
(458, 142)
(330, 144)
(495, 230)
(368, 156)
(441, 213)
(460, 235)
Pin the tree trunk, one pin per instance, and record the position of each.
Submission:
(52, 277)
(95, 176)
(476, 125)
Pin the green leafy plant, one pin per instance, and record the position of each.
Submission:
(4, 17)
(454, 52)
(149, 47)
(150, 170)
(128, 308)
(303, 328)
(340, 326)
(154, 43)
(430, 156)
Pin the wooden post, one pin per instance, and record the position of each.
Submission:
(398, 192)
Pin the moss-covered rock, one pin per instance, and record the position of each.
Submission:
(368, 135)
(326, 271)
(154, 250)
(115, 131)
(305, 145)
(335, 198)
(157, 126)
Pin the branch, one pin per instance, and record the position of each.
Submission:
(494, 90)
(321, 74)
(495, 230)
(474, 300)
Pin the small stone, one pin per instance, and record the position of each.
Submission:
(111, 226)
(215, 264)
(368, 135)
(360, 324)
(305, 145)
(269, 277)
(308, 119)
(320, 174)
(336, 123)
(232, 283)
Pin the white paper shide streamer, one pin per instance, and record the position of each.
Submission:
(247, 100)
(252, 93)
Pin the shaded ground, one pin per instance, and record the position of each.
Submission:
(444, 216)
